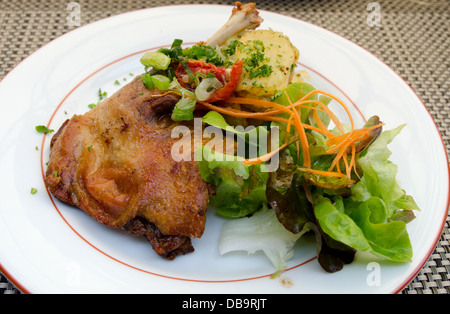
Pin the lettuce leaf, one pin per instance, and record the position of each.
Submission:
(366, 228)
(260, 232)
(339, 225)
(379, 176)
(387, 239)
(240, 188)
(215, 119)
(373, 219)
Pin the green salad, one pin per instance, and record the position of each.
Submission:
(334, 179)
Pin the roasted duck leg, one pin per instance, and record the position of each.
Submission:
(114, 162)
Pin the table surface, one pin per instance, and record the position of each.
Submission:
(413, 38)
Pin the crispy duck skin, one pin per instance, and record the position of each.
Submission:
(114, 162)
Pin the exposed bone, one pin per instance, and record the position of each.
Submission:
(243, 17)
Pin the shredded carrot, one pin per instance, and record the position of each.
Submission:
(352, 160)
(257, 102)
(265, 157)
(321, 125)
(347, 168)
(166, 93)
(338, 157)
(302, 135)
(240, 113)
(288, 128)
(343, 140)
(330, 113)
(297, 104)
(342, 145)
(355, 156)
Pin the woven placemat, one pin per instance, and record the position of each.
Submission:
(411, 36)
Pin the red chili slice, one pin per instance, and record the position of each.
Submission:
(228, 89)
(200, 66)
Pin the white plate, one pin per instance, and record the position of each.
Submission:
(47, 246)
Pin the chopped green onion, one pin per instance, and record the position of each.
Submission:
(147, 81)
(184, 108)
(174, 84)
(188, 94)
(206, 87)
(33, 190)
(161, 82)
(43, 129)
(155, 59)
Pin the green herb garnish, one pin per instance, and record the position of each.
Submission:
(101, 95)
(43, 129)
(156, 60)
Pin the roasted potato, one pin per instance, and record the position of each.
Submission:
(269, 60)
